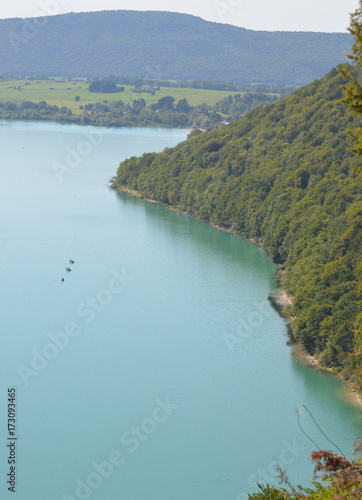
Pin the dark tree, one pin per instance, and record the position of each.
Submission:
(183, 106)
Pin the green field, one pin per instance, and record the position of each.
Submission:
(63, 93)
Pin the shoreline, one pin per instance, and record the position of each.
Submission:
(349, 391)
(136, 194)
(279, 299)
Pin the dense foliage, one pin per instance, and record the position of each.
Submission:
(236, 106)
(27, 110)
(283, 175)
(353, 74)
(106, 85)
(164, 45)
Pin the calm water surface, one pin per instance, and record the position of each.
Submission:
(157, 370)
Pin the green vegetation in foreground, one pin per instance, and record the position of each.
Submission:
(63, 93)
(283, 175)
(353, 74)
(342, 480)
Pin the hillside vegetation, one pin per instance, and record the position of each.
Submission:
(164, 45)
(283, 175)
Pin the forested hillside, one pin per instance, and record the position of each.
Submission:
(164, 45)
(283, 175)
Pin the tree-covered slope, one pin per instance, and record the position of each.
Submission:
(164, 45)
(283, 175)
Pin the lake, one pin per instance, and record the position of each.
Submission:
(157, 369)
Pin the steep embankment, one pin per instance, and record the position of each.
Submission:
(284, 175)
(164, 45)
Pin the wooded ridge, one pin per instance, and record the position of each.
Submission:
(164, 45)
(284, 175)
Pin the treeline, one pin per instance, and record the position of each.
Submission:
(27, 110)
(163, 113)
(207, 85)
(184, 84)
(166, 112)
(105, 85)
(283, 175)
(234, 107)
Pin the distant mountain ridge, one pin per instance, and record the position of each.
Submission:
(165, 45)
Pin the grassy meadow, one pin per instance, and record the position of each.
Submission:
(63, 93)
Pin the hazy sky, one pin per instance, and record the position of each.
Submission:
(291, 15)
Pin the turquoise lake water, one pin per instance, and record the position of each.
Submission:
(157, 370)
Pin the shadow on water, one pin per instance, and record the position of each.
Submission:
(279, 308)
(233, 248)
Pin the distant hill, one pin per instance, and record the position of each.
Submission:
(284, 176)
(164, 45)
